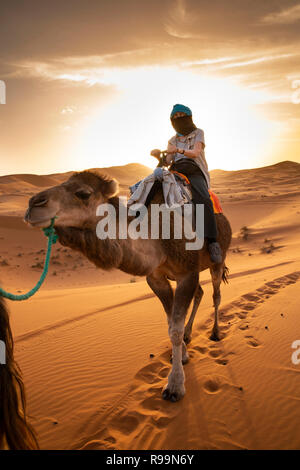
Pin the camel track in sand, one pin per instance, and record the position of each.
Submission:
(124, 420)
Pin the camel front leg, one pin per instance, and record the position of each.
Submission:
(162, 288)
(175, 390)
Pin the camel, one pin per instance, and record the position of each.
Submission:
(15, 431)
(75, 203)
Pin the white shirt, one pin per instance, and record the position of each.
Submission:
(187, 142)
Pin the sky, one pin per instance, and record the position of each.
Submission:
(91, 83)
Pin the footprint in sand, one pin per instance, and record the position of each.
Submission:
(98, 444)
(274, 285)
(267, 292)
(215, 353)
(153, 402)
(155, 390)
(251, 297)
(206, 324)
(161, 421)
(240, 309)
(200, 349)
(110, 439)
(222, 362)
(226, 318)
(293, 276)
(126, 423)
(253, 342)
(244, 326)
(249, 307)
(212, 385)
(149, 373)
(163, 372)
(242, 315)
(224, 328)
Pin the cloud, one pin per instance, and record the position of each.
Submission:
(258, 60)
(180, 21)
(93, 71)
(62, 71)
(212, 61)
(68, 110)
(287, 16)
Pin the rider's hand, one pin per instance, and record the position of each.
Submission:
(155, 153)
(171, 149)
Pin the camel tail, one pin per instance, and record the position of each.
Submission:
(225, 274)
(14, 427)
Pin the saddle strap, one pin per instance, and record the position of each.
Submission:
(214, 198)
(185, 178)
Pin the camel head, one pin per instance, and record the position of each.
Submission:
(74, 202)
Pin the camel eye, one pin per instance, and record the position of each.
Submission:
(83, 194)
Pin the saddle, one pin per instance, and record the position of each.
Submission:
(184, 182)
(183, 185)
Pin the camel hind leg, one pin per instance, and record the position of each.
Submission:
(216, 275)
(188, 328)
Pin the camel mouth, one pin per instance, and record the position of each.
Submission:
(39, 217)
(38, 223)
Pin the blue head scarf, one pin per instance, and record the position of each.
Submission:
(183, 125)
(180, 108)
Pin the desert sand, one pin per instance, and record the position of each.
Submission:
(84, 341)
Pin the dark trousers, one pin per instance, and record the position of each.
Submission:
(200, 195)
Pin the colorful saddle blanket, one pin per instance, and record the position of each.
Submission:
(176, 189)
(216, 202)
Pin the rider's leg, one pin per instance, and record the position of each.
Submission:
(201, 195)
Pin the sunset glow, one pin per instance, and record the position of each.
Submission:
(236, 135)
(102, 97)
(149, 229)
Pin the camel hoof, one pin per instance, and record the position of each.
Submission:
(173, 397)
(215, 337)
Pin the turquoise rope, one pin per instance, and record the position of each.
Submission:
(52, 238)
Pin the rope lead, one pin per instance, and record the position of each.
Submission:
(52, 239)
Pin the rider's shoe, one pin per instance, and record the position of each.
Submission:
(215, 252)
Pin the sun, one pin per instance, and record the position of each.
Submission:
(136, 119)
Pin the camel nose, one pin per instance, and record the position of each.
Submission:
(26, 217)
(39, 201)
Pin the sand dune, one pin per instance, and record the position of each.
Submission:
(84, 341)
(16, 189)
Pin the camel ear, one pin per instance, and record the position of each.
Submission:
(111, 188)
